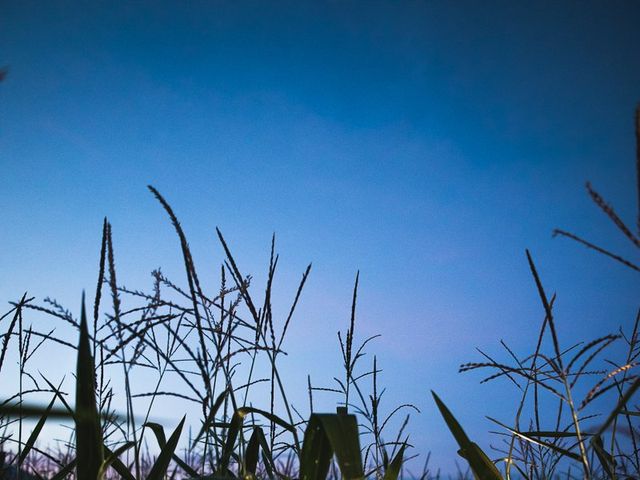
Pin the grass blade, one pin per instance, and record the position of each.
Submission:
(113, 456)
(251, 454)
(535, 441)
(118, 465)
(34, 434)
(161, 465)
(621, 404)
(393, 469)
(329, 434)
(158, 431)
(315, 457)
(211, 417)
(88, 431)
(482, 467)
(606, 460)
(66, 470)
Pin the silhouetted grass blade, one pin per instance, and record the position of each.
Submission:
(606, 460)
(234, 429)
(251, 453)
(158, 431)
(619, 407)
(88, 431)
(316, 451)
(267, 457)
(393, 469)
(482, 467)
(232, 435)
(34, 434)
(118, 465)
(329, 434)
(7, 336)
(111, 457)
(66, 470)
(211, 417)
(161, 465)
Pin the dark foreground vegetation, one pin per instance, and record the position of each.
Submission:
(222, 350)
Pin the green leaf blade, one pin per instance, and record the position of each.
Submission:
(89, 448)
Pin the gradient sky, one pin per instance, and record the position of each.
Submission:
(426, 144)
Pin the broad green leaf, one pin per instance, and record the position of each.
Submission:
(161, 465)
(316, 454)
(329, 434)
(481, 465)
(393, 469)
(88, 430)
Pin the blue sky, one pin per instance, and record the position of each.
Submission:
(426, 144)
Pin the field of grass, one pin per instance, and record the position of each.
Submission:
(220, 348)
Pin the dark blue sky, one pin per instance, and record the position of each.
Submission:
(425, 143)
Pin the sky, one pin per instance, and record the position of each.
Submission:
(424, 144)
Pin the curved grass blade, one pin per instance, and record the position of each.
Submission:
(211, 418)
(393, 469)
(481, 465)
(267, 456)
(269, 416)
(161, 465)
(88, 430)
(630, 413)
(542, 443)
(257, 441)
(607, 461)
(112, 457)
(315, 457)
(232, 434)
(234, 429)
(621, 404)
(34, 434)
(7, 336)
(66, 470)
(250, 461)
(158, 431)
(118, 465)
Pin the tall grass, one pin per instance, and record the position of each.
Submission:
(220, 350)
(212, 350)
(574, 439)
